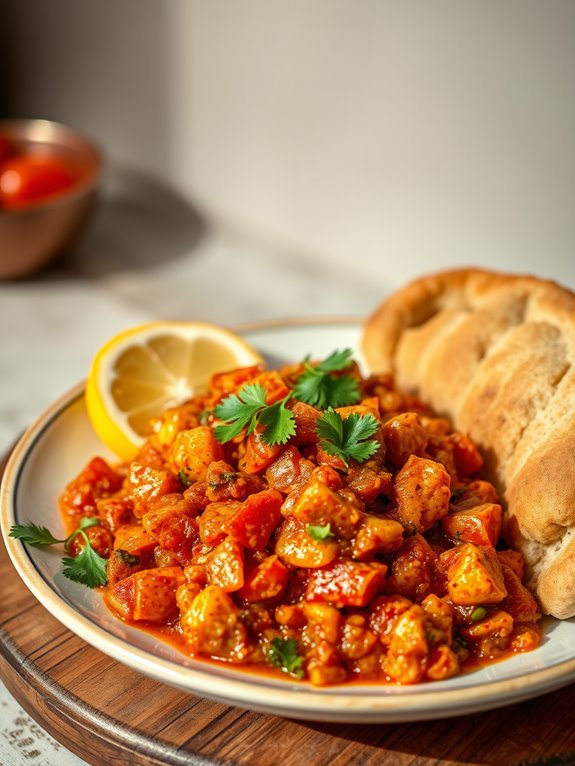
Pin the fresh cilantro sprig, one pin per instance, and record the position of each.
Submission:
(248, 408)
(319, 387)
(347, 438)
(283, 653)
(32, 534)
(88, 567)
(320, 532)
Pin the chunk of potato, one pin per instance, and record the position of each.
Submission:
(192, 452)
(212, 626)
(474, 575)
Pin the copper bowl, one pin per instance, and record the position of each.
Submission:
(32, 236)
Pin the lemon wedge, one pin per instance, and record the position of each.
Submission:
(142, 371)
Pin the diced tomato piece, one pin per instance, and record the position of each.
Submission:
(95, 481)
(134, 539)
(480, 525)
(213, 521)
(253, 522)
(274, 385)
(148, 484)
(467, 458)
(115, 511)
(266, 581)
(346, 583)
(148, 595)
(224, 383)
(258, 455)
(225, 566)
(171, 520)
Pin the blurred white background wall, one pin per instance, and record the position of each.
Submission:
(389, 137)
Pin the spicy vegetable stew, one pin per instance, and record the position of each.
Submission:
(310, 522)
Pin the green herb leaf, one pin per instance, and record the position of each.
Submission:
(347, 438)
(319, 532)
(32, 534)
(127, 558)
(317, 386)
(240, 411)
(183, 477)
(478, 613)
(283, 653)
(336, 361)
(248, 409)
(85, 523)
(278, 422)
(87, 568)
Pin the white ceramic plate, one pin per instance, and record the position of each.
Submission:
(59, 444)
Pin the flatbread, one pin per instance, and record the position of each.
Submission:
(495, 354)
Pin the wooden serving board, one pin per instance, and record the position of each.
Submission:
(109, 714)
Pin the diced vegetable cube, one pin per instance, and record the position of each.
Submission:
(193, 451)
(212, 626)
(377, 535)
(253, 521)
(319, 505)
(265, 582)
(225, 566)
(346, 583)
(480, 525)
(148, 484)
(297, 548)
(422, 492)
(474, 575)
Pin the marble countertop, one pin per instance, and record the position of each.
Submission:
(147, 255)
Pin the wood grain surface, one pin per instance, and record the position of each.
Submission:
(109, 714)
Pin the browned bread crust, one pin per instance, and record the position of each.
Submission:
(496, 354)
